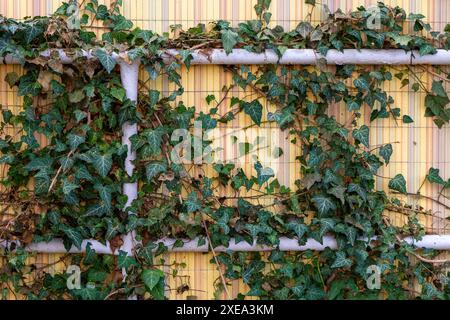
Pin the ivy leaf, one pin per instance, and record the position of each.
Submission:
(398, 183)
(105, 59)
(154, 97)
(438, 88)
(74, 140)
(353, 105)
(102, 163)
(316, 35)
(338, 192)
(74, 235)
(105, 194)
(118, 93)
(151, 277)
(114, 227)
(192, 202)
(79, 115)
(68, 186)
(39, 164)
(11, 78)
(127, 113)
(435, 103)
(407, 119)
(96, 210)
(361, 83)
(326, 225)
(402, 40)
(82, 173)
(229, 40)
(323, 204)
(90, 293)
(41, 184)
(350, 232)
(263, 174)
(186, 57)
(125, 261)
(122, 24)
(304, 28)
(362, 135)
(429, 292)
(341, 261)
(386, 152)
(32, 32)
(433, 176)
(254, 110)
(153, 169)
(299, 228)
(7, 158)
(353, 187)
(76, 96)
(154, 138)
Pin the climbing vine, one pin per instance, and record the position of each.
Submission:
(64, 165)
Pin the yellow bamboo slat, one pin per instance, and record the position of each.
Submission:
(418, 146)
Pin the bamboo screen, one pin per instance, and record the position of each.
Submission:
(417, 146)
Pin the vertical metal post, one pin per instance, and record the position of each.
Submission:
(129, 74)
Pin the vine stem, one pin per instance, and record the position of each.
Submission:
(59, 172)
(219, 267)
(425, 197)
(418, 256)
(435, 74)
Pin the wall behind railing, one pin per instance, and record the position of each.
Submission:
(421, 145)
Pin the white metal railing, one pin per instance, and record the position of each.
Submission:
(129, 77)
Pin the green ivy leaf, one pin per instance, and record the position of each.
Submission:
(118, 93)
(438, 88)
(338, 192)
(386, 152)
(79, 115)
(433, 176)
(96, 210)
(192, 202)
(304, 28)
(151, 277)
(68, 186)
(102, 163)
(105, 195)
(74, 235)
(154, 97)
(362, 84)
(7, 158)
(40, 164)
(300, 229)
(341, 261)
(229, 39)
(254, 110)
(152, 169)
(125, 261)
(323, 204)
(74, 140)
(154, 138)
(32, 32)
(402, 40)
(326, 225)
(407, 119)
(76, 96)
(398, 183)
(107, 61)
(362, 135)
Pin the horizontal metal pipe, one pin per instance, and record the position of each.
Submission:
(290, 56)
(310, 57)
(437, 242)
